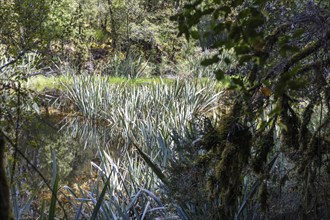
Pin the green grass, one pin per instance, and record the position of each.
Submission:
(41, 83)
(142, 80)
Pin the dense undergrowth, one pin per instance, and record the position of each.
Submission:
(105, 116)
(170, 148)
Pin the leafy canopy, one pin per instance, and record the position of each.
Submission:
(273, 40)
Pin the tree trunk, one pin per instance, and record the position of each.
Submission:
(5, 212)
(113, 26)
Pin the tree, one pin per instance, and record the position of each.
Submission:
(25, 26)
(5, 212)
(30, 25)
(283, 63)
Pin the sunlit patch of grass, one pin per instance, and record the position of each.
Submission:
(41, 83)
(142, 80)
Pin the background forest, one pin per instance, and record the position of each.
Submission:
(177, 109)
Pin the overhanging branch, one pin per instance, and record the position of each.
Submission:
(314, 65)
(305, 52)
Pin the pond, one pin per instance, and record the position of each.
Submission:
(123, 130)
(40, 135)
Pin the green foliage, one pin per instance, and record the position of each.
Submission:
(135, 115)
(74, 31)
(192, 64)
(100, 199)
(55, 182)
(276, 123)
(225, 148)
(276, 56)
(132, 66)
(28, 25)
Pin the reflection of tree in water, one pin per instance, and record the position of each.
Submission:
(42, 137)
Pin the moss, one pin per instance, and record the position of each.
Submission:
(223, 129)
(291, 124)
(264, 147)
(211, 187)
(263, 197)
(242, 139)
(306, 118)
(222, 167)
(205, 159)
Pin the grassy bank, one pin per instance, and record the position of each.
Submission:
(41, 83)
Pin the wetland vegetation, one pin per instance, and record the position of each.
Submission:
(178, 109)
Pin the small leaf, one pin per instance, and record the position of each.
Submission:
(100, 199)
(283, 126)
(276, 111)
(236, 3)
(242, 49)
(296, 84)
(235, 32)
(192, 5)
(258, 44)
(218, 28)
(225, 9)
(266, 91)
(227, 60)
(244, 13)
(238, 81)
(283, 40)
(52, 207)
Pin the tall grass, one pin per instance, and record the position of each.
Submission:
(146, 111)
(132, 126)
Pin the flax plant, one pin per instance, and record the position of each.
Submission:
(112, 111)
(133, 125)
